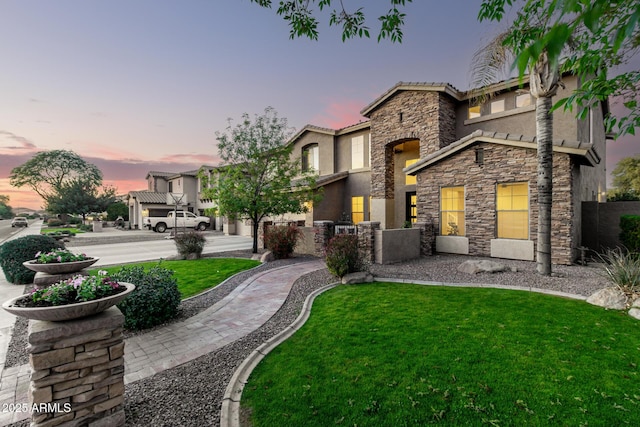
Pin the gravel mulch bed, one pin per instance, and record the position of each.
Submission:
(191, 394)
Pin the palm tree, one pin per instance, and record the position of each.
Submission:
(544, 79)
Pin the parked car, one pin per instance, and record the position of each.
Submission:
(182, 219)
(19, 222)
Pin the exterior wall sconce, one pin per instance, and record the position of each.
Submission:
(480, 156)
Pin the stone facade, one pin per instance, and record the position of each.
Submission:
(502, 164)
(77, 371)
(428, 116)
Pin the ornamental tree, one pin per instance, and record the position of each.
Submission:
(80, 196)
(259, 178)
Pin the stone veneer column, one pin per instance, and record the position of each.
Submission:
(427, 236)
(366, 240)
(77, 371)
(323, 232)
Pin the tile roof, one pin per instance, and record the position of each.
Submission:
(149, 197)
(584, 150)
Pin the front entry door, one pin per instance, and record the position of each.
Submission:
(411, 207)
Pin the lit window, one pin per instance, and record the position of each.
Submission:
(523, 100)
(357, 209)
(412, 208)
(452, 211)
(307, 206)
(497, 106)
(512, 205)
(474, 112)
(310, 159)
(410, 179)
(357, 152)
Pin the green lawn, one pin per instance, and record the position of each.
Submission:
(199, 275)
(388, 354)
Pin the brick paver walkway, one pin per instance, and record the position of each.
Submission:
(244, 310)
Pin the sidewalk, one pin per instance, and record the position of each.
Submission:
(244, 310)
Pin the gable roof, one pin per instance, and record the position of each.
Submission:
(585, 151)
(331, 132)
(159, 174)
(413, 86)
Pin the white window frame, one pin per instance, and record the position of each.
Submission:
(357, 152)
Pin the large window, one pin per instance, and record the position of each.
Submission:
(512, 205)
(452, 211)
(357, 152)
(310, 159)
(357, 209)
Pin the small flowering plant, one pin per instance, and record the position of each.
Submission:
(76, 289)
(57, 256)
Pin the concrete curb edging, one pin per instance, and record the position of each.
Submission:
(230, 409)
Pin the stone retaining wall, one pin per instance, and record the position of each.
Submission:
(77, 371)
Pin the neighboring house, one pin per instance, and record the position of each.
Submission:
(155, 200)
(428, 154)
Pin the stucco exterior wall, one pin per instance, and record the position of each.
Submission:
(343, 158)
(521, 121)
(502, 164)
(325, 150)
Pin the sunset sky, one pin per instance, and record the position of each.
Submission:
(140, 85)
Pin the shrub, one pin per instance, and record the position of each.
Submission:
(74, 220)
(630, 232)
(342, 255)
(190, 242)
(282, 240)
(155, 299)
(14, 252)
(622, 267)
(54, 222)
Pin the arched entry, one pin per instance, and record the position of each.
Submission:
(389, 184)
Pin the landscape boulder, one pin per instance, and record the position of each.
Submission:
(482, 266)
(611, 298)
(267, 257)
(357, 277)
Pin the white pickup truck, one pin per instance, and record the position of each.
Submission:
(182, 220)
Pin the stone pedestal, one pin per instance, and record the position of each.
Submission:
(77, 371)
(323, 232)
(366, 240)
(427, 236)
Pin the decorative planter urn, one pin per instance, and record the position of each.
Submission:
(59, 267)
(59, 313)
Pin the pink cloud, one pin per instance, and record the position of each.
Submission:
(339, 114)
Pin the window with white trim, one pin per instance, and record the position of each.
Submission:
(357, 152)
(310, 158)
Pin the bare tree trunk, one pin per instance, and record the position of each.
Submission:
(256, 229)
(544, 125)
